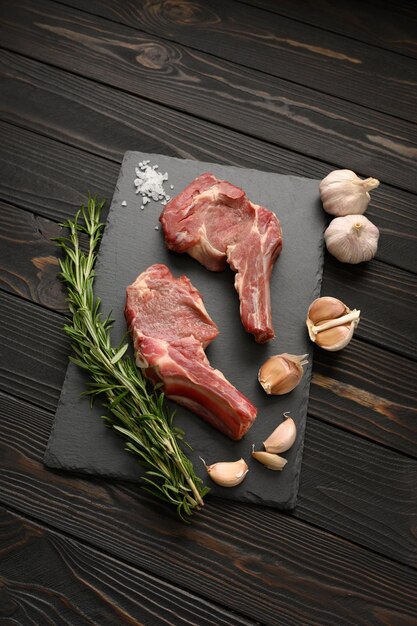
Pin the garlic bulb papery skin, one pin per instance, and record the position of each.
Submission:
(352, 239)
(227, 473)
(331, 323)
(281, 373)
(342, 192)
(282, 438)
(271, 461)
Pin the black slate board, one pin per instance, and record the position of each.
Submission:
(80, 441)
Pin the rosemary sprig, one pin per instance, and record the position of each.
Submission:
(137, 410)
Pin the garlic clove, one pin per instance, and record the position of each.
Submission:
(271, 461)
(336, 332)
(282, 373)
(326, 308)
(282, 438)
(335, 338)
(227, 473)
(352, 239)
(342, 193)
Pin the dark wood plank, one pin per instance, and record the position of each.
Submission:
(388, 27)
(26, 379)
(34, 351)
(279, 565)
(67, 582)
(326, 478)
(28, 257)
(278, 46)
(266, 107)
(48, 178)
(106, 122)
(364, 389)
(367, 391)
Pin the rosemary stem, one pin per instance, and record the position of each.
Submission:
(136, 411)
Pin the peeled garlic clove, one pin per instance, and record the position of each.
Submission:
(352, 239)
(227, 473)
(283, 437)
(335, 332)
(271, 461)
(282, 373)
(342, 192)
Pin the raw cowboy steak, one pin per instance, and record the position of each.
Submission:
(170, 328)
(216, 223)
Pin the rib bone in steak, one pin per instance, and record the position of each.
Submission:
(216, 223)
(170, 328)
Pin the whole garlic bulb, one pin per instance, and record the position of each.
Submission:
(342, 192)
(352, 238)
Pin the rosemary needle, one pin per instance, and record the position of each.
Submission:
(136, 410)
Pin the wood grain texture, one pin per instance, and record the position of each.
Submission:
(34, 351)
(368, 391)
(81, 109)
(363, 388)
(327, 462)
(276, 45)
(388, 27)
(325, 477)
(57, 184)
(29, 257)
(286, 571)
(66, 582)
(182, 78)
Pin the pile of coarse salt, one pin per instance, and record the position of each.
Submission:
(150, 184)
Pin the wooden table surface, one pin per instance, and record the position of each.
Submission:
(291, 87)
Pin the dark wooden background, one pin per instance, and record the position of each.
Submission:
(291, 87)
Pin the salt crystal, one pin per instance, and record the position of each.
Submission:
(124, 203)
(156, 227)
(171, 186)
(150, 183)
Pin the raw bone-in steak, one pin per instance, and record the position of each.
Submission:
(216, 223)
(170, 328)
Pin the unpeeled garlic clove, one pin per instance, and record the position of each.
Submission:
(342, 192)
(271, 461)
(335, 338)
(282, 373)
(227, 473)
(352, 239)
(282, 438)
(331, 323)
(326, 308)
